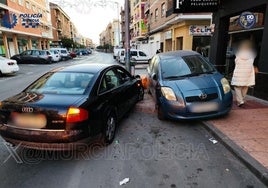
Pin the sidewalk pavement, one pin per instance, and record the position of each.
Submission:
(244, 131)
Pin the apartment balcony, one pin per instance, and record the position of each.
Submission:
(59, 28)
(147, 8)
(58, 18)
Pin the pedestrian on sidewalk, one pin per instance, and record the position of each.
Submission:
(244, 74)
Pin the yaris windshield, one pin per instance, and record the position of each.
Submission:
(177, 67)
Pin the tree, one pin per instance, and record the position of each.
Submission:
(67, 42)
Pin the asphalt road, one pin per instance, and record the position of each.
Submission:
(149, 152)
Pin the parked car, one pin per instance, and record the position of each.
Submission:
(64, 54)
(73, 54)
(89, 51)
(8, 66)
(69, 106)
(185, 85)
(137, 55)
(55, 55)
(82, 52)
(33, 56)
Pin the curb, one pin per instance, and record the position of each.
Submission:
(252, 164)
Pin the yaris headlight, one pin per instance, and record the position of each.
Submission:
(225, 85)
(168, 93)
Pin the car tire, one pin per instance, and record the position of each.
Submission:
(160, 114)
(141, 94)
(110, 124)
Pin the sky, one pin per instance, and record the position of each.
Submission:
(90, 16)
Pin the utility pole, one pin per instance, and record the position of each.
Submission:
(127, 36)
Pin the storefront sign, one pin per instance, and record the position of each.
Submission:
(10, 20)
(188, 6)
(247, 20)
(199, 30)
(168, 35)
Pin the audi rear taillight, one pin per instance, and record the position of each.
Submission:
(76, 115)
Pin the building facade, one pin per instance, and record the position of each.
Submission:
(25, 24)
(229, 32)
(62, 26)
(116, 30)
(156, 27)
(111, 35)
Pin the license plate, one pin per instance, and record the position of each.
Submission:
(29, 121)
(204, 107)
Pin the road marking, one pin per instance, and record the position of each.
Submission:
(28, 73)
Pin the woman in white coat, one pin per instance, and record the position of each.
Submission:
(244, 74)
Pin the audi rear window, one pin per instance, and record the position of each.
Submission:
(73, 83)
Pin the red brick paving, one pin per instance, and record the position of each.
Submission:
(248, 128)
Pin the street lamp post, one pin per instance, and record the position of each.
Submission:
(127, 36)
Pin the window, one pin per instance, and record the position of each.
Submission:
(156, 14)
(133, 53)
(109, 81)
(123, 76)
(178, 67)
(27, 4)
(35, 53)
(142, 54)
(34, 8)
(28, 52)
(151, 18)
(20, 2)
(163, 9)
(151, 64)
(61, 83)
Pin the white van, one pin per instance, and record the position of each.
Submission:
(138, 55)
(64, 54)
(116, 50)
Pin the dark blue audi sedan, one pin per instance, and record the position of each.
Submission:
(69, 106)
(185, 85)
